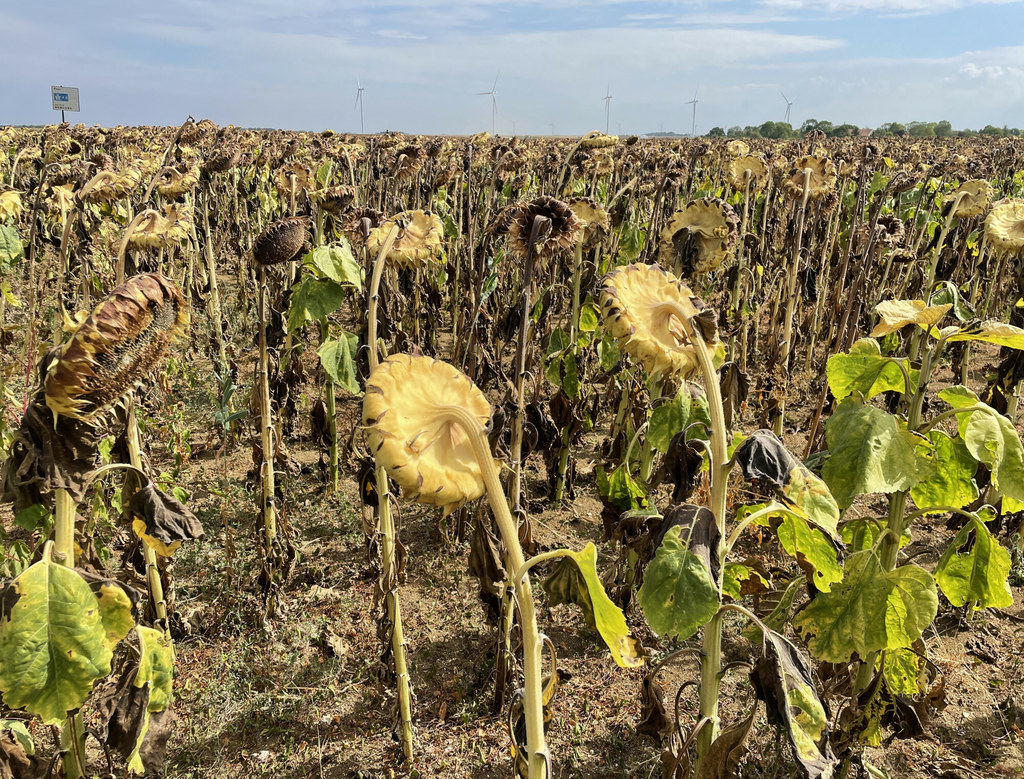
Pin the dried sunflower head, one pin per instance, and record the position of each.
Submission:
(409, 161)
(643, 306)
(352, 221)
(1004, 226)
(751, 165)
(62, 198)
(823, 177)
(427, 454)
(418, 241)
(281, 241)
(303, 179)
(10, 204)
(335, 200)
(560, 234)
(162, 231)
(598, 140)
(700, 237)
(177, 180)
(222, 159)
(596, 222)
(125, 338)
(737, 149)
(977, 193)
(113, 186)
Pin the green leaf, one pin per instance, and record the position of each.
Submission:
(975, 568)
(902, 670)
(992, 332)
(588, 318)
(736, 575)
(575, 580)
(948, 293)
(952, 481)
(52, 640)
(19, 730)
(991, 439)
(869, 610)
(778, 617)
(674, 416)
(33, 518)
(11, 249)
(678, 595)
(620, 489)
(810, 545)
(608, 353)
(336, 263)
(313, 300)
(869, 452)
(865, 370)
(558, 341)
(782, 679)
(571, 379)
(339, 360)
(156, 672)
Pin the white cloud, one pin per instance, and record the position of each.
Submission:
(879, 6)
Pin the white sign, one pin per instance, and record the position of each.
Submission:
(65, 98)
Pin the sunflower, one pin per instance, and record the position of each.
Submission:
(752, 165)
(429, 456)
(162, 231)
(335, 200)
(822, 181)
(418, 241)
(117, 345)
(699, 238)
(177, 180)
(1004, 226)
(113, 186)
(737, 149)
(62, 198)
(303, 179)
(596, 222)
(409, 161)
(598, 140)
(222, 159)
(560, 233)
(10, 204)
(974, 195)
(643, 306)
(352, 221)
(281, 241)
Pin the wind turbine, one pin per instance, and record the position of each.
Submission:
(789, 105)
(494, 102)
(359, 102)
(607, 106)
(693, 128)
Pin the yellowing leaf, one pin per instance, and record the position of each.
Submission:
(897, 314)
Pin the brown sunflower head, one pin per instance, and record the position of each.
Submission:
(358, 223)
(409, 161)
(700, 237)
(418, 239)
(281, 241)
(116, 347)
(298, 172)
(411, 436)
(558, 235)
(644, 307)
(334, 200)
(222, 159)
(598, 140)
(822, 180)
(1004, 227)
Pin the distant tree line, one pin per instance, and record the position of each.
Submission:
(784, 130)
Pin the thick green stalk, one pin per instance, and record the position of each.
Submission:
(647, 452)
(538, 758)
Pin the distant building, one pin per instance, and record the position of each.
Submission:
(864, 132)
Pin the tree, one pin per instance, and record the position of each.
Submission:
(943, 129)
(716, 132)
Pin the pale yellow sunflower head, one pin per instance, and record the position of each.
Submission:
(699, 238)
(1004, 226)
(418, 241)
(975, 195)
(822, 180)
(412, 437)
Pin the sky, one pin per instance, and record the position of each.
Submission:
(258, 63)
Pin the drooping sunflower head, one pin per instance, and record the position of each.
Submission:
(822, 180)
(598, 140)
(699, 238)
(124, 339)
(975, 195)
(357, 223)
(409, 161)
(177, 180)
(297, 172)
(334, 200)
(418, 239)
(161, 231)
(222, 159)
(596, 222)
(558, 235)
(109, 185)
(281, 241)
(749, 166)
(1004, 227)
(10, 204)
(644, 307)
(737, 149)
(412, 437)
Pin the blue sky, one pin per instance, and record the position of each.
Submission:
(278, 64)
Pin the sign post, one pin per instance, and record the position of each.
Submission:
(65, 99)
